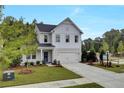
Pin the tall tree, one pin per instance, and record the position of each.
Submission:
(97, 43)
(112, 37)
(104, 46)
(1, 13)
(122, 35)
(120, 48)
(89, 44)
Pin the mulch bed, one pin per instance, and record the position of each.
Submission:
(25, 71)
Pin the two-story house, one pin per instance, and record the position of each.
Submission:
(61, 42)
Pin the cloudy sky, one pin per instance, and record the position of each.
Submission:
(92, 20)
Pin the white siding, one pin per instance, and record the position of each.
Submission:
(63, 51)
(40, 36)
(63, 30)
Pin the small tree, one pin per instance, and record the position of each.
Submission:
(16, 39)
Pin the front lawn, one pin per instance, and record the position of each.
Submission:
(40, 74)
(89, 85)
(114, 68)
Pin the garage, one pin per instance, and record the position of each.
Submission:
(68, 57)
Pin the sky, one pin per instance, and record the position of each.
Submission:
(93, 20)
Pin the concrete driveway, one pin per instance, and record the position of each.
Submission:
(103, 77)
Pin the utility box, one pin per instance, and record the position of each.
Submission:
(8, 75)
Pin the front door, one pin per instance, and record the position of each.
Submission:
(46, 57)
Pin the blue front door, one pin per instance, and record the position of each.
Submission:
(46, 57)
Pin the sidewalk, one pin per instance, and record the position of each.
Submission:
(56, 84)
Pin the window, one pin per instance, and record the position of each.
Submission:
(34, 56)
(28, 57)
(76, 39)
(45, 38)
(57, 38)
(67, 38)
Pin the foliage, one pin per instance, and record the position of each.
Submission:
(114, 68)
(109, 41)
(38, 63)
(112, 37)
(88, 44)
(104, 46)
(1, 14)
(92, 56)
(84, 56)
(120, 47)
(16, 38)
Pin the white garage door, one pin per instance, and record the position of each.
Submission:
(68, 57)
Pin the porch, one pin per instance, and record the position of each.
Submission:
(46, 52)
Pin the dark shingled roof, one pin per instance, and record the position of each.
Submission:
(46, 45)
(45, 27)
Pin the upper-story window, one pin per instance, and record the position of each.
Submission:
(45, 38)
(57, 38)
(76, 38)
(67, 38)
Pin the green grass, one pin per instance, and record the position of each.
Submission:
(89, 85)
(40, 74)
(113, 68)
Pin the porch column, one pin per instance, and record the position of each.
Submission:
(41, 54)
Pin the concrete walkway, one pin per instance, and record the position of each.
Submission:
(56, 84)
(100, 76)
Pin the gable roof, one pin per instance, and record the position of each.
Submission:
(48, 27)
(68, 19)
(45, 27)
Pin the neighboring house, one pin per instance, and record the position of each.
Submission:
(61, 42)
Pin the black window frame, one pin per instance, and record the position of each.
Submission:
(57, 38)
(33, 56)
(45, 38)
(67, 40)
(76, 38)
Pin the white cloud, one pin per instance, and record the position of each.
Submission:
(76, 11)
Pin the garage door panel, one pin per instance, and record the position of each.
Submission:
(67, 57)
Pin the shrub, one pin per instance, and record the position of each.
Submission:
(38, 62)
(15, 62)
(32, 63)
(54, 62)
(43, 62)
(92, 56)
(84, 56)
(58, 64)
(11, 65)
(26, 63)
